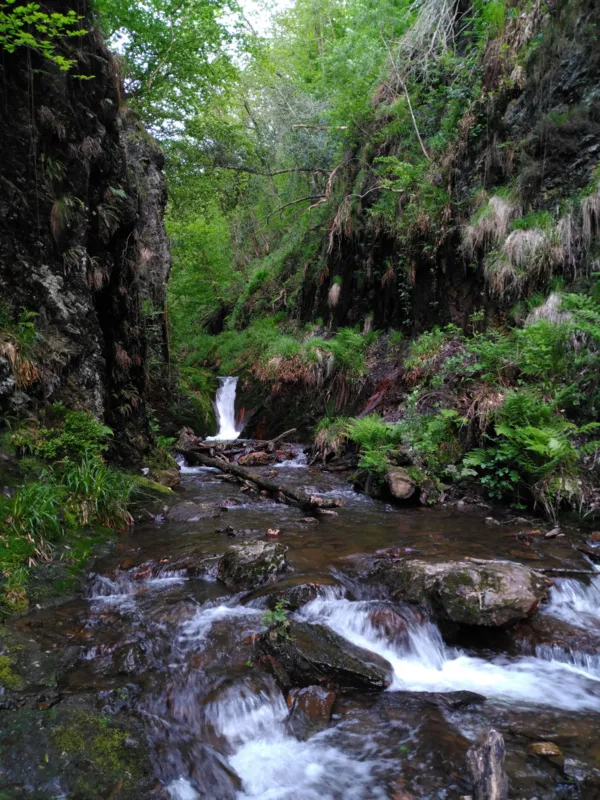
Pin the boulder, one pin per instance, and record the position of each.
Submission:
(192, 512)
(187, 439)
(167, 477)
(491, 593)
(312, 654)
(310, 710)
(259, 458)
(295, 596)
(249, 565)
(400, 484)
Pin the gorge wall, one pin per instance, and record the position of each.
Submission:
(84, 257)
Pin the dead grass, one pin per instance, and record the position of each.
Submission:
(550, 311)
(333, 297)
(590, 211)
(491, 227)
(24, 370)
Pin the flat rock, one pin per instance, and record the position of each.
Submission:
(251, 564)
(491, 594)
(189, 511)
(545, 749)
(313, 654)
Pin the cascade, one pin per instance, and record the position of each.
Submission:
(225, 410)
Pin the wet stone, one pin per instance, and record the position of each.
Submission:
(545, 749)
(189, 511)
(251, 564)
(490, 593)
(312, 654)
(310, 710)
(296, 596)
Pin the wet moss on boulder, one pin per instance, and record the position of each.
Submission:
(490, 594)
(252, 564)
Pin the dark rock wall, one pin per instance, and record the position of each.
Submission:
(540, 122)
(82, 242)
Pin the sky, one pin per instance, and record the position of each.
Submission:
(258, 12)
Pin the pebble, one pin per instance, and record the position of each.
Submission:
(545, 749)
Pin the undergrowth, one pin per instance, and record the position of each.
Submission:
(512, 408)
(65, 490)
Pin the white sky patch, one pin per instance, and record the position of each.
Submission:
(259, 13)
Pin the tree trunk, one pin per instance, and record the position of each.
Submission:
(312, 503)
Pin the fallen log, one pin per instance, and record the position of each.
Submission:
(312, 503)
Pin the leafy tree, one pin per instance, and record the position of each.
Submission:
(26, 25)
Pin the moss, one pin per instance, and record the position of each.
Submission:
(99, 740)
(8, 679)
(152, 487)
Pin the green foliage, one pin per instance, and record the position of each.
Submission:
(536, 219)
(27, 25)
(375, 438)
(433, 438)
(70, 488)
(176, 53)
(277, 620)
(64, 434)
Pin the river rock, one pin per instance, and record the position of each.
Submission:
(310, 710)
(192, 512)
(260, 458)
(312, 654)
(493, 593)
(400, 484)
(187, 439)
(295, 596)
(167, 477)
(545, 749)
(251, 564)
(392, 625)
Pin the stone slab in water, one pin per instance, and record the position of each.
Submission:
(494, 593)
(315, 654)
(251, 564)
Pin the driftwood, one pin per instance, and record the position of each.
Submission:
(235, 447)
(486, 768)
(283, 494)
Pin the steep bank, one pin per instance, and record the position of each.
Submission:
(445, 271)
(84, 258)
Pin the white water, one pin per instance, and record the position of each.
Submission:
(225, 409)
(273, 765)
(427, 665)
(575, 602)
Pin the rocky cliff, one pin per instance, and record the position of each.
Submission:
(84, 258)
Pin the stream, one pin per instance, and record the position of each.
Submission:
(217, 724)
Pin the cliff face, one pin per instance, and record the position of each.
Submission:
(84, 258)
(534, 130)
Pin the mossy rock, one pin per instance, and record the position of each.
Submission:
(74, 750)
(491, 594)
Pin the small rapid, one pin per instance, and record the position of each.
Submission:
(576, 602)
(425, 664)
(219, 724)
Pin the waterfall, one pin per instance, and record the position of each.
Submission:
(225, 409)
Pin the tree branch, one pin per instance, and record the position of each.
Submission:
(295, 203)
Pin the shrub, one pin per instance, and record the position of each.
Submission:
(374, 437)
(64, 434)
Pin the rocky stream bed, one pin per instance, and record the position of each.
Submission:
(232, 647)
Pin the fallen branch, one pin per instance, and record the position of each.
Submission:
(282, 494)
